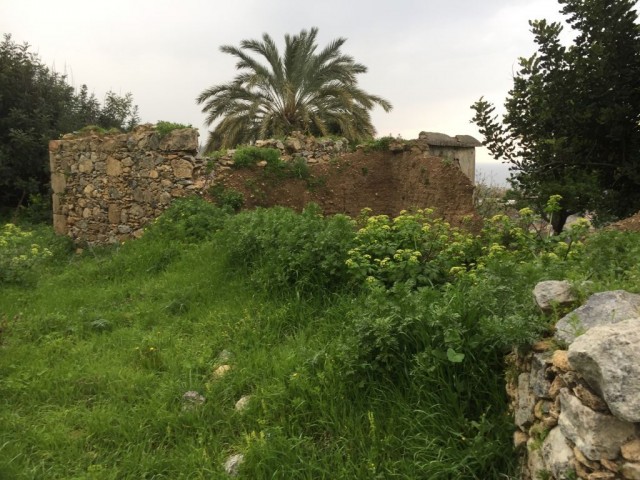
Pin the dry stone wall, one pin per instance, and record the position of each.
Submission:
(107, 187)
(577, 408)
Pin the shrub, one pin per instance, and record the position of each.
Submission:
(188, 220)
(227, 197)
(414, 248)
(249, 156)
(282, 249)
(18, 254)
(164, 128)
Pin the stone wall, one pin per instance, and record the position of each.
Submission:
(107, 187)
(577, 408)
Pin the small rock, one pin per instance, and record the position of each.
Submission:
(519, 438)
(221, 371)
(560, 360)
(243, 403)
(232, 464)
(224, 356)
(631, 450)
(553, 293)
(601, 476)
(631, 471)
(584, 460)
(192, 400)
(556, 453)
(590, 399)
(609, 465)
(557, 384)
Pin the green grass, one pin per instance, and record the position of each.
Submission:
(347, 381)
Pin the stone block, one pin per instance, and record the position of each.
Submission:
(602, 308)
(596, 435)
(553, 293)
(608, 358)
(58, 182)
(60, 224)
(114, 167)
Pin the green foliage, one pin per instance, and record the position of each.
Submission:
(188, 220)
(415, 248)
(39, 105)
(385, 381)
(281, 249)
(300, 90)
(570, 126)
(227, 197)
(378, 145)
(249, 156)
(164, 128)
(18, 254)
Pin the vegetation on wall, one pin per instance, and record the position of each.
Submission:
(572, 121)
(303, 89)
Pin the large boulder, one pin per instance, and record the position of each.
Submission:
(603, 308)
(608, 358)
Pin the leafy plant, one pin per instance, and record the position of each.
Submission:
(164, 128)
(18, 254)
(227, 197)
(250, 156)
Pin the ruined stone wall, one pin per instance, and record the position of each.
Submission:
(577, 407)
(107, 187)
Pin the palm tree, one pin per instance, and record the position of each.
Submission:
(315, 93)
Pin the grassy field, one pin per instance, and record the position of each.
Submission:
(356, 366)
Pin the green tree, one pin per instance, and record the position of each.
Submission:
(572, 119)
(37, 105)
(305, 90)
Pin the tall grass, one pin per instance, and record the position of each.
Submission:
(349, 377)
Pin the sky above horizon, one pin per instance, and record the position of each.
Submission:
(431, 59)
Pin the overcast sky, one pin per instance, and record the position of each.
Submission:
(430, 58)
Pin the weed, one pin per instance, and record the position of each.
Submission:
(165, 128)
(250, 156)
(227, 197)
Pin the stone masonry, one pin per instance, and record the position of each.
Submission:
(107, 187)
(577, 407)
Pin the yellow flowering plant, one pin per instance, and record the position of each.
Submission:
(18, 253)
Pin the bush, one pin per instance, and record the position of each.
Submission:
(164, 128)
(227, 197)
(188, 220)
(283, 250)
(414, 248)
(19, 254)
(250, 156)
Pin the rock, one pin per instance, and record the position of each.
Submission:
(538, 382)
(192, 400)
(631, 450)
(232, 464)
(535, 463)
(609, 465)
(608, 358)
(182, 168)
(221, 371)
(553, 293)
(243, 403)
(292, 144)
(519, 438)
(526, 401)
(557, 454)
(595, 434)
(560, 360)
(589, 399)
(557, 384)
(631, 471)
(601, 476)
(603, 308)
(114, 167)
(584, 460)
